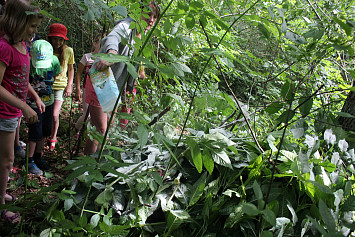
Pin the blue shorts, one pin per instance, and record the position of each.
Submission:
(8, 125)
(43, 128)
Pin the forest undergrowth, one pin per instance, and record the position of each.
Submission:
(237, 129)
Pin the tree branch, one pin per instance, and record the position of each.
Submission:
(234, 96)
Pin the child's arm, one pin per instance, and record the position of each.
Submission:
(68, 89)
(32, 93)
(79, 72)
(6, 96)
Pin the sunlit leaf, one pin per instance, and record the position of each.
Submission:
(207, 160)
(195, 154)
(175, 219)
(94, 220)
(221, 158)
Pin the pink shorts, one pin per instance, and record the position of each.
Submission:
(90, 95)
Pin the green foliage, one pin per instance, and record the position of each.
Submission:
(282, 166)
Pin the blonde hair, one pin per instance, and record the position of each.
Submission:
(18, 13)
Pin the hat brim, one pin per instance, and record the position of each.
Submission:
(41, 63)
(58, 35)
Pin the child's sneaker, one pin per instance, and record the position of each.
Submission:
(33, 169)
(20, 152)
(42, 164)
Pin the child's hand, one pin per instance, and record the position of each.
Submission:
(78, 95)
(29, 114)
(68, 90)
(40, 105)
(102, 65)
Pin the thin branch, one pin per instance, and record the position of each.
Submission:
(234, 96)
(315, 11)
(162, 113)
(229, 117)
(272, 21)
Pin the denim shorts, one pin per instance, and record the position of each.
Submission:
(43, 127)
(58, 95)
(8, 125)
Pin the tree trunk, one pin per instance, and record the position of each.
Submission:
(349, 107)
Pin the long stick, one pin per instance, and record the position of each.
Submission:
(234, 96)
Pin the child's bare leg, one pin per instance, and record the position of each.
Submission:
(17, 134)
(99, 120)
(31, 148)
(6, 160)
(56, 110)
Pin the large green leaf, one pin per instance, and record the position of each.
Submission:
(327, 217)
(142, 133)
(299, 128)
(207, 160)
(264, 30)
(84, 160)
(190, 21)
(286, 91)
(195, 154)
(266, 234)
(175, 219)
(318, 226)
(274, 108)
(220, 138)
(229, 100)
(257, 191)
(197, 189)
(120, 10)
(221, 158)
(269, 216)
(306, 105)
(157, 178)
(104, 198)
(349, 204)
(250, 209)
(94, 220)
(343, 25)
(132, 70)
(286, 116)
(234, 217)
(195, 6)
